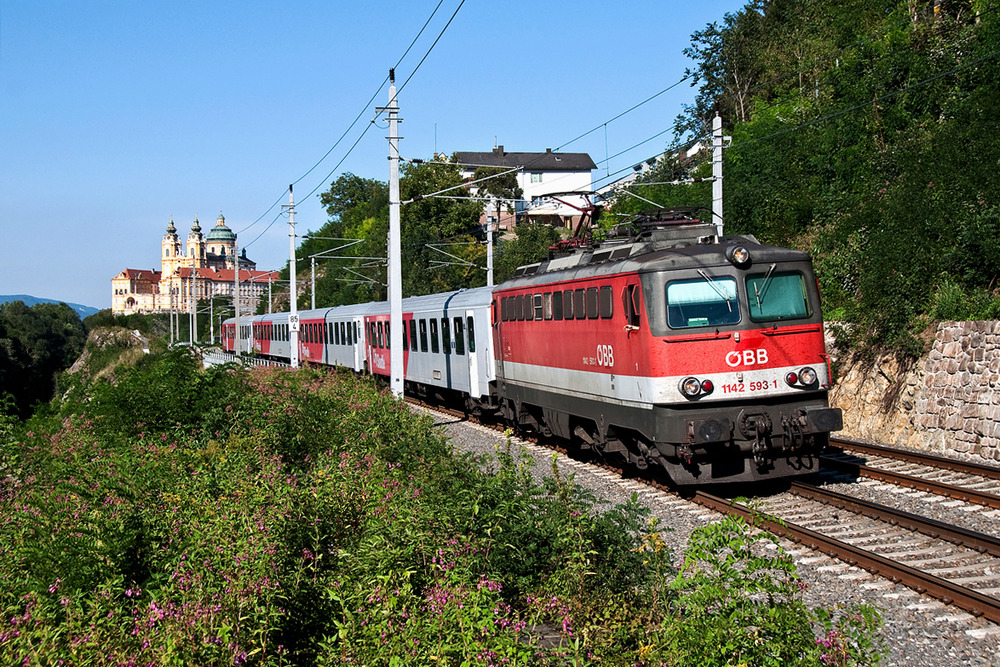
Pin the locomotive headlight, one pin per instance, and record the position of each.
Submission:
(739, 256)
(690, 387)
(807, 376)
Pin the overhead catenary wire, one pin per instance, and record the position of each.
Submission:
(357, 118)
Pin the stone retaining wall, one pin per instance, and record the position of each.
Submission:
(947, 401)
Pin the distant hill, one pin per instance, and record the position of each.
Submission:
(28, 300)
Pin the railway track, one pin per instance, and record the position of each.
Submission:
(957, 566)
(960, 480)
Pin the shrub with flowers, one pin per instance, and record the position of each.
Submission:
(180, 516)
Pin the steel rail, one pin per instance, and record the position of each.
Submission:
(913, 482)
(970, 539)
(971, 601)
(991, 472)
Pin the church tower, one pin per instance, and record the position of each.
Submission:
(171, 254)
(196, 246)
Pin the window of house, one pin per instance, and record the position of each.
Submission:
(536, 177)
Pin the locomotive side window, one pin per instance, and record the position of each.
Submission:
(592, 307)
(459, 337)
(557, 305)
(413, 334)
(435, 347)
(445, 335)
(568, 304)
(547, 306)
(579, 304)
(702, 302)
(538, 307)
(472, 335)
(630, 302)
(777, 296)
(504, 308)
(423, 335)
(519, 308)
(607, 302)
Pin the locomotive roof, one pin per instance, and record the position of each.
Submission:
(688, 246)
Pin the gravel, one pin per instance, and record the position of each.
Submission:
(919, 631)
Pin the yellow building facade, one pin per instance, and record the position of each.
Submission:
(197, 268)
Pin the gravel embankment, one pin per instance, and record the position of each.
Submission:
(919, 631)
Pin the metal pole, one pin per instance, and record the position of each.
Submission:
(717, 173)
(489, 248)
(194, 309)
(313, 282)
(236, 295)
(211, 316)
(293, 316)
(269, 277)
(395, 254)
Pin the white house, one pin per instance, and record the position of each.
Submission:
(556, 186)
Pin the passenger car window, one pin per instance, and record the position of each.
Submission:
(706, 301)
(435, 347)
(459, 337)
(445, 335)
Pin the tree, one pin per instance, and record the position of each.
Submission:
(36, 344)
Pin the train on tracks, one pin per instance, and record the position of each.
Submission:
(671, 347)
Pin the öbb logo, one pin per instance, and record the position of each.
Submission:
(747, 358)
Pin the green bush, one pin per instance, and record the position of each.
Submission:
(274, 517)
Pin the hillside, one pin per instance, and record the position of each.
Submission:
(82, 311)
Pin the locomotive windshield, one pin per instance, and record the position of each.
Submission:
(777, 296)
(701, 302)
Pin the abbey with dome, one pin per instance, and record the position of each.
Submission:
(199, 268)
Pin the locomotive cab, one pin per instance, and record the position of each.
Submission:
(743, 340)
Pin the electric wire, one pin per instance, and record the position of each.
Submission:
(351, 126)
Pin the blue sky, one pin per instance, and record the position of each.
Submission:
(116, 115)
